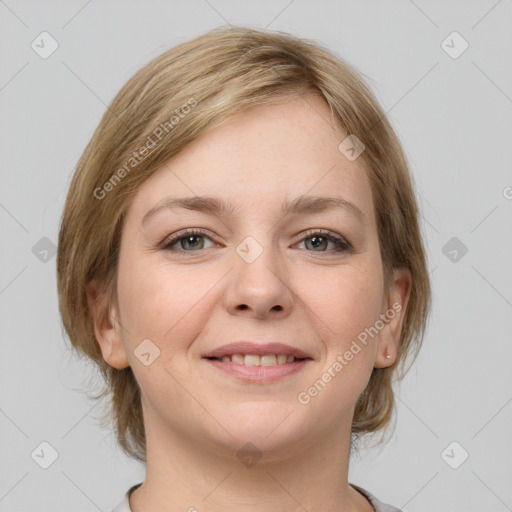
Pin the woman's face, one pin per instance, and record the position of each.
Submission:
(255, 273)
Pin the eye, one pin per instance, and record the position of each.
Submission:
(188, 238)
(192, 240)
(320, 239)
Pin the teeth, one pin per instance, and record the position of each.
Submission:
(252, 360)
(237, 358)
(255, 360)
(270, 360)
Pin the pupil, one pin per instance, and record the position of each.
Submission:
(192, 238)
(315, 241)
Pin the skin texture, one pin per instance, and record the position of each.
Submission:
(196, 417)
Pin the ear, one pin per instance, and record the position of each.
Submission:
(393, 313)
(107, 328)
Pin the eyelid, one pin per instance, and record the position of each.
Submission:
(324, 232)
(183, 233)
(343, 245)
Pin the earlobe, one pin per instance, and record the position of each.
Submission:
(107, 328)
(394, 310)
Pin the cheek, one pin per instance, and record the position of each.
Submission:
(343, 313)
(162, 303)
(350, 303)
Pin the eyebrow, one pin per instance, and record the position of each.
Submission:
(301, 205)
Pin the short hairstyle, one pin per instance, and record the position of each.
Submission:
(185, 92)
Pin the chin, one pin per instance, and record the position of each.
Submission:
(269, 427)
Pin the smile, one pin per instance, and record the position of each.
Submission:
(256, 360)
(255, 368)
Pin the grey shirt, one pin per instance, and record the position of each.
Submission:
(124, 505)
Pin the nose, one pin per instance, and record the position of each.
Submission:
(259, 286)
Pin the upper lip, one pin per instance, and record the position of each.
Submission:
(260, 349)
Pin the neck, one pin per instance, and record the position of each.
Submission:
(182, 474)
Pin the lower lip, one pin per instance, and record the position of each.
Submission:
(259, 373)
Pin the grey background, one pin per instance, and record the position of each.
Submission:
(453, 117)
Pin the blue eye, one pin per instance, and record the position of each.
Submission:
(190, 241)
(319, 237)
(188, 236)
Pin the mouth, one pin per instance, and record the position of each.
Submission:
(258, 362)
(267, 351)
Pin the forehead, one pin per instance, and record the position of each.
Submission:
(261, 158)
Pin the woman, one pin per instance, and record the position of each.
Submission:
(240, 255)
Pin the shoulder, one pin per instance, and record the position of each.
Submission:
(378, 505)
(124, 504)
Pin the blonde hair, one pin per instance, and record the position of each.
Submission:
(180, 95)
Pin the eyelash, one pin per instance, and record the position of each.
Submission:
(341, 244)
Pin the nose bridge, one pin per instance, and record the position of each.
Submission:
(257, 253)
(259, 281)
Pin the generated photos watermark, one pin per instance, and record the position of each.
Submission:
(304, 397)
(145, 150)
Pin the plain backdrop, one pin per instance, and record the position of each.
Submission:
(451, 107)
